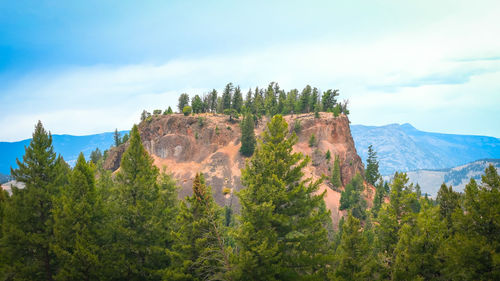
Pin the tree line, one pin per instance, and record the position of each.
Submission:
(84, 223)
(258, 101)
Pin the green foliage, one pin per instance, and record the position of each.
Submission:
(196, 104)
(117, 138)
(28, 219)
(227, 97)
(352, 254)
(96, 156)
(312, 140)
(201, 121)
(281, 234)
(157, 112)
(328, 155)
(352, 198)
(247, 135)
(297, 126)
(336, 179)
(371, 173)
(77, 225)
(201, 244)
(183, 102)
(237, 101)
(168, 111)
(233, 114)
(186, 110)
(328, 100)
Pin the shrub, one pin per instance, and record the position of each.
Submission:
(157, 112)
(312, 140)
(297, 126)
(226, 190)
(186, 110)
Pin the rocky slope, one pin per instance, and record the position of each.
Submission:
(210, 144)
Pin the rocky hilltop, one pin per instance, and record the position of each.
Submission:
(185, 145)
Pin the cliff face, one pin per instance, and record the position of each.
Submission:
(210, 144)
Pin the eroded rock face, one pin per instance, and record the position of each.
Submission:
(210, 144)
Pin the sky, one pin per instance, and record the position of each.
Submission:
(84, 67)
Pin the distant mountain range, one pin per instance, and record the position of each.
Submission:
(430, 180)
(66, 145)
(404, 148)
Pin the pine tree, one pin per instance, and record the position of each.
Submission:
(28, 220)
(117, 138)
(247, 135)
(353, 253)
(371, 172)
(201, 236)
(448, 201)
(139, 250)
(237, 101)
(197, 104)
(305, 99)
(336, 175)
(77, 224)
(378, 200)
(352, 199)
(281, 235)
(213, 101)
(329, 100)
(183, 101)
(227, 96)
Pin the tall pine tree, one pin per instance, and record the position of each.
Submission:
(77, 224)
(28, 218)
(247, 135)
(282, 234)
(371, 172)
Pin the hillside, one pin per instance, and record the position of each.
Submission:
(210, 144)
(404, 148)
(458, 177)
(68, 146)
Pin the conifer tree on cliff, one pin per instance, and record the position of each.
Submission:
(201, 241)
(141, 236)
(372, 174)
(281, 235)
(28, 220)
(77, 224)
(247, 135)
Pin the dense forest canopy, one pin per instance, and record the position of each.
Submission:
(85, 223)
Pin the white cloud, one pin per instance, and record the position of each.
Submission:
(427, 77)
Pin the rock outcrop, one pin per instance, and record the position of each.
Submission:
(185, 145)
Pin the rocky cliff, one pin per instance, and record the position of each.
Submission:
(185, 145)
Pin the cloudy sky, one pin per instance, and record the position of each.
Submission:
(90, 66)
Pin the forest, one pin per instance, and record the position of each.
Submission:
(86, 223)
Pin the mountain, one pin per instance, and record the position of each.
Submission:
(4, 178)
(430, 180)
(185, 145)
(67, 145)
(404, 148)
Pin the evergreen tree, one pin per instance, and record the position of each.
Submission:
(197, 104)
(237, 102)
(312, 140)
(353, 253)
(371, 173)
(305, 99)
(378, 200)
(227, 96)
(336, 175)
(28, 220)
(95, 155)
(183, 102)
(328, 100)
(201, 236)
(259, 103)
(247, 135)
(416, 254)
(77, 222)
(139, 250)
(352, 199)
(281, 107)
(270, 103)
(281, 235)
(314, 102)
(249, 101)
(213, 101)
(117, 138)
(448, 201)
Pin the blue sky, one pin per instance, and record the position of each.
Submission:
(85, 67)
